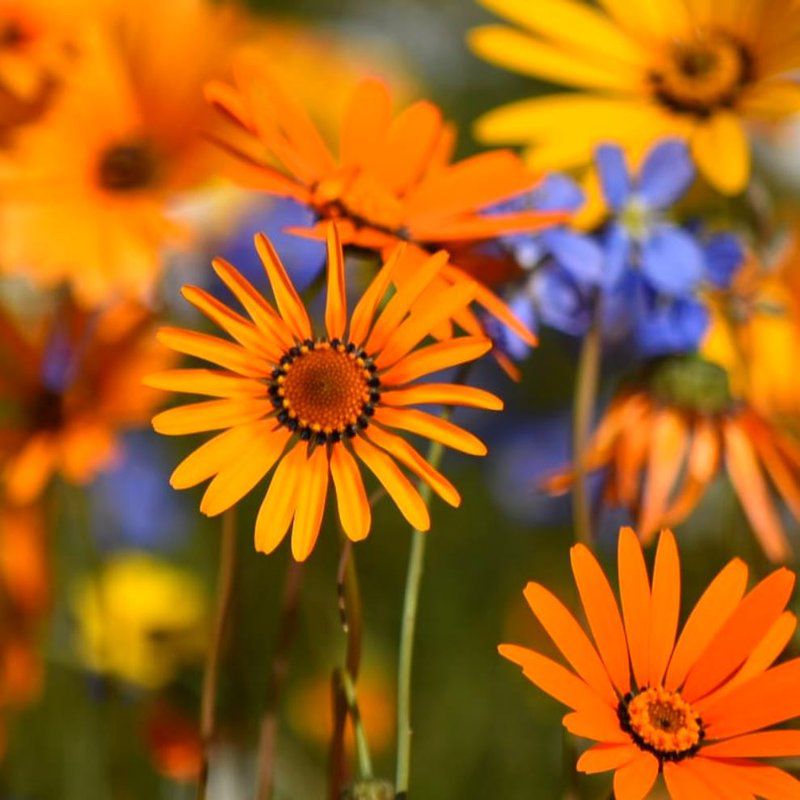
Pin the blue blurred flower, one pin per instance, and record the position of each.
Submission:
(639, 235)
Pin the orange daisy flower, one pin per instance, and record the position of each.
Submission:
(392, 181)
(310, 405)
(662, 443)
(697, 708)
(103, 185)
(68, 391)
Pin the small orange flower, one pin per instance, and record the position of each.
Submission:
(393, 179)
(663, 443)
(103, 185)
(69, 391)
(697, 708)
(309, 404)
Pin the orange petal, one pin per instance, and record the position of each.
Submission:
(261, 312)
(400, 449)
(447, 394)
(603, 757)
(210, 415)
(400, 489)
(765, 744)
(684, 783)
(217, 351)
(237, 478)
(354, 509)
(289, 303)
(712, 611)
(760, 779)
(207, 382)
(336, 305)
(667, 450)
(634, 590)
(280, 502)
(748, 480)
(553, 679)
(417, 326)
(665, 606)
(635, 780)
(27, 474)
(739, 635)
(475, 227)
(601, 724)
(365, 123)
(602, 614)
(364, 312)
(570, 639)
(232, 323)
(431, 427)
(716, 777)
(215, 454)
(436, 357)
(312, 490)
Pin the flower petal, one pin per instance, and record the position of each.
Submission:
(634, 588)
(615, 179)
(672, 260)
(355, 513)
(635, 780)
(279, 504)
(722, 153)
(312, 490)
(667, 173)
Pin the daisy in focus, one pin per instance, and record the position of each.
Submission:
(67, 391)
(311, 405)
(666, 437)
(697, 708)
(392, 181)
(104, 185)
(696, 70)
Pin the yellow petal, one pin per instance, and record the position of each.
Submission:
(722, 152)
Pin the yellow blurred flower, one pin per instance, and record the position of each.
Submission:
(140, 620)
(643, 70)
(755, 335)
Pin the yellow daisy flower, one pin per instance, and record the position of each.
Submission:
(688, 68)
(310, 405)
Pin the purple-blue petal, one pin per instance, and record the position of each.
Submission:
(666, 174)
(560, 301)
(557, 193)
(672, 261)
(724, 255)
(616, 244)
(579, 255)
(667, 326)
(614, 177)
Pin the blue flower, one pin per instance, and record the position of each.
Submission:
(639, 235)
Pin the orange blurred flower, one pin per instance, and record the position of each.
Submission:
(696, 708)
(174, 742)
(393, 179)
(89, 189)
(661, 445)
(309, 402)
(68, 391)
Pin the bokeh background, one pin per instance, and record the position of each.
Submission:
(115, 713)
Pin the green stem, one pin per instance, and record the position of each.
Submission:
(208, 709)
(416, 563)
(587, 380)
(362, 746)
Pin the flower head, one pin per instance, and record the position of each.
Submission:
(692, 70)
(696, 707)
(683, 413)
(392, 180)
(310, 403)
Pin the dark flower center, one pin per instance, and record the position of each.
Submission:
(702, 74)
(46, 412)
(662, 723)
(691, 383)
(13, 35)
(325, 390)
(127, 167)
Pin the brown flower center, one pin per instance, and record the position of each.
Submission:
(13, 34)
(325, 390)
(127, 167)
(701, 74)
(662, 723)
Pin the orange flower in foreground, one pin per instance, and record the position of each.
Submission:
(695, 707)
(663, 443)
(392, 181)
(100, 172)
(68, 392)
(313, 404)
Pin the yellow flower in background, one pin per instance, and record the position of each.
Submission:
(89, 190)
(755, 335)
(68, 388)
(140, 620)
(644, 70)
